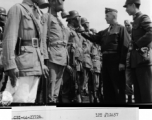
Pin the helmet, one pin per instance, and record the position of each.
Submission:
(84, 20)
(2, 11)
(64, 14)
(42, 4)
(72, 14)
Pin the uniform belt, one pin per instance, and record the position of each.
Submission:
(109, 52)
(62, 43)
(96, 57)
(33, 42)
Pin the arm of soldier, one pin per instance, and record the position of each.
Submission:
(124, 45)
(9, 42)
(44, 44)
(44, 36)
(145, 40)
(93, 38)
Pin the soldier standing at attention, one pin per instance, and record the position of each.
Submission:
(76, 56)
(141, 53)
(114, 43)
(88, 79)
(129, 78)
(57, 38)
(22, 57)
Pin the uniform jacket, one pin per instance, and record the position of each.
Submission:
(56, 36)
(20, 24)
(96, 58)
(87, 50)
(142, 37)
(76, 40)
(117, 39)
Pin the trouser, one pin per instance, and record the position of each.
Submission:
(79, 85)
(55, 79)
(88, 79)
(25, 90)
(143, 84)
(96, 84)
(113, 79)
(67, 90)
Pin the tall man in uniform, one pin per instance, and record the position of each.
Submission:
(114, 44)
(22, 57)
(141, 54)
(57, 52)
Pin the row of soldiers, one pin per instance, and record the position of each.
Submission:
(44, 60)
(41, 45)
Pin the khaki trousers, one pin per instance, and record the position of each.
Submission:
(25, 90)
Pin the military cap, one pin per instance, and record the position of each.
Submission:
(131, 2)
(72, 14)
(110, 10)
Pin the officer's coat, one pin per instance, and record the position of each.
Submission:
(20, 24)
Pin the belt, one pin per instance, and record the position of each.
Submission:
(62, 43)
(33, 42)
(109, 52)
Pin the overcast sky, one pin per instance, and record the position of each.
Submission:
(94, 10)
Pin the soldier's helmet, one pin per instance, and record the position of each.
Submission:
(72, 14)
(2, 11)
(2, 15)
(42, 4)
(84, 20)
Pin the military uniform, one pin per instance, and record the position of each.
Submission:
(78, 59)
(141, 61)
(97, 64)
(114, 46)
(24, 27)
(58, 37)
(87, 63)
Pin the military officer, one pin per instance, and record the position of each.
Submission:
(22, 57)
(114, 46)
(141, 53)
(57, 40)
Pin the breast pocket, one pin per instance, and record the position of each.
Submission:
(28, 22)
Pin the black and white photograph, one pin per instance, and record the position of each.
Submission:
(75, 52)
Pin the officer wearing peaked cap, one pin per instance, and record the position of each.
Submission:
(141, 53)
(114, 43)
